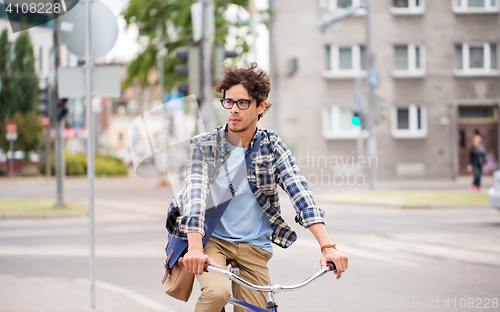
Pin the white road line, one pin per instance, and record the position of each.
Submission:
(7, 223)
(47, 222)
(131, 206)
(44, 232)
(145, 301)
(448, 253)
(82, 231)
(377, 257)
(466, 220)
(66, 252)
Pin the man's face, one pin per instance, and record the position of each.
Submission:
(239, 120)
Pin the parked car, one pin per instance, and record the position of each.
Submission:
(494, 191)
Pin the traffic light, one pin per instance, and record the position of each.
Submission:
(192, 70)
(359, 119)
(43, 101)
(220, 54)
(356, 121)
(62, 110)
(52, 100)
(358, 111)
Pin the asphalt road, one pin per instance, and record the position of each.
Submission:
(399, 259)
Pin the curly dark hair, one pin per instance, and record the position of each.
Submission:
(255, 80)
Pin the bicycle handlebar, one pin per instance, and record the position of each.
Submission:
(274, 288)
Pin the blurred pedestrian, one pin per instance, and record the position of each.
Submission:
(477, 160)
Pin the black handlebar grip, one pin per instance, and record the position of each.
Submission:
(331, 266)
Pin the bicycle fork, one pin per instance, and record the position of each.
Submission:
(271, 305)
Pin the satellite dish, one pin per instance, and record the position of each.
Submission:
(103, 30)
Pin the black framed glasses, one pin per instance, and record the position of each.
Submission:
(242, 104)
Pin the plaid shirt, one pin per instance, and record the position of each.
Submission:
(272, 166)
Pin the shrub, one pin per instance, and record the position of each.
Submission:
(76, 164)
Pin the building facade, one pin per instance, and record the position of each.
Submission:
(439, 72)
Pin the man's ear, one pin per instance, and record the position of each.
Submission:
(262, 107)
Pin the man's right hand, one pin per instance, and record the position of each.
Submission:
(194, 260)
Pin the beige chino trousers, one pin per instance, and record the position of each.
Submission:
(216, 289)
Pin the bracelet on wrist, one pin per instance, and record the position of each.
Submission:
(334, 246)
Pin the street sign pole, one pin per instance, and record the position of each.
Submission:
(359, 103)
(90, 154)
(96, 25)
(11, 136)
(207, 43)
(60, 163)
(11, 162)
(46, 125)
(371, 142)
(48, 169)
(58, 151)
(161, 82)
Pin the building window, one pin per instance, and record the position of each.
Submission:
(344, 61)
(409, 121)
(337, 123)
(342, 4)
(477, 59)
(477, 112)
(409, 60)
(328, 58)
(335, 5)
(339, 5)
(475, 6)
(408, 7)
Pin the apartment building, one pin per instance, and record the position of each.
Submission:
(439, 72)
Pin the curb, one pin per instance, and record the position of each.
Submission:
(42, 215)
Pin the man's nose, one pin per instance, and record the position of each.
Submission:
(235, 109)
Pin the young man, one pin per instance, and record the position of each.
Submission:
(253, 219)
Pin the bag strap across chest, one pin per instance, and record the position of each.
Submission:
(176, 247)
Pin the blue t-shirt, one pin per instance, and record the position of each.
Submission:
(244, 220)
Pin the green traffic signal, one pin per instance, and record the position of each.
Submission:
(356, 121)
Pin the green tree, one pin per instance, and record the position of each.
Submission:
(178, 33)
(19, 95)
(24, 90)
(4, 72)
(29, 133)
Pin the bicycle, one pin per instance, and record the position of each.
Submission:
(272, 289)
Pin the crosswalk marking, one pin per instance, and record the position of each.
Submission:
(351, 250)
